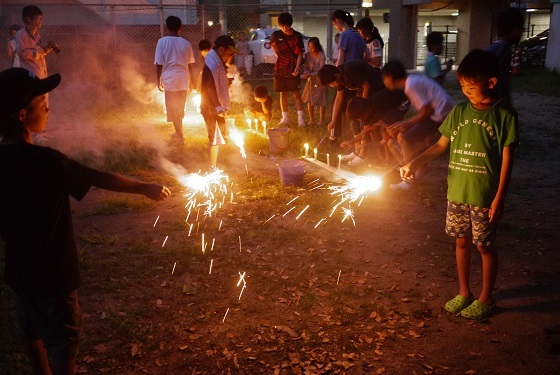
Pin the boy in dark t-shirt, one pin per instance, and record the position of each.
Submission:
(41, 263)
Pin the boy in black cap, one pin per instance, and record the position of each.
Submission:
(41, 262)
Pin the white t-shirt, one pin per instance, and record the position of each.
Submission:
(422, 90)
(174, 54)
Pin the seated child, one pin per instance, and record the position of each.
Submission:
(264, 110)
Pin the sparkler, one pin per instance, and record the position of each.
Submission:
(156, 221)
(203, 245)
(319, 223)
(348, 213)
(287, 212)
(212, 247)
(287, 204)
(224, 319)
(306, 147)
(270, 218)
(220, 226)
(237, 138)
(338, 279)
(190, 230)
(173, 270)
(239, 243)
(356, 187)
(164, 241)
(211, 261)
(302, 211)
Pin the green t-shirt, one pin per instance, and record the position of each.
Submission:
(477, 140)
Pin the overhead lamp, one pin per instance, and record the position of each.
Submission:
(367, 3)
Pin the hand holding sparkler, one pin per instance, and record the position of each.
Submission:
(156, 192)
(407, 172)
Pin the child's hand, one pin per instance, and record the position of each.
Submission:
(406, 172)
(496, 210)
(346, 145)
(156, 192)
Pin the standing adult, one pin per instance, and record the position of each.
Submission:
(373, 40)
(174, 58)
(287, 45)
(11, 47)
(31, 51)
(215, 93)
(509, 28)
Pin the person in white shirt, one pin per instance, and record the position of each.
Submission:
(174, 58)
(11, 47)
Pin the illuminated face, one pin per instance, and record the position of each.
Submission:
(36, 114)
(35, 21)
(225, 53)
(338, 24)
(260, 100)
(311, 47)
(286, 29)
(476, 92)
(388, 82)
(363, 33)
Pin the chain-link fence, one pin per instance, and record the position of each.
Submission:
(102, 43)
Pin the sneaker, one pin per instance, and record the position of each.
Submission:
(284, 122)
(403, 186)
(357, 161)
(349, 157)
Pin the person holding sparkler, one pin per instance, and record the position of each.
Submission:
(41, 263)
(357, 77)
(215, 93)
(174, 61)
(409, 137)
(481, 135)
(264, 100)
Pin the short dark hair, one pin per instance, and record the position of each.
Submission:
(508, 20)
(344, 16)
(327, 74)
(173, 23)
(433, 39)
(204, 45)
(394, 69)
(365, 24)
(285, 19)
(479, 66)
(261, 92)
(30, 11)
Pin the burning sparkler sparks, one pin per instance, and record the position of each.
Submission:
(156, 221)
(237, 137)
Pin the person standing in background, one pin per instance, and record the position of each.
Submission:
(31, 52)
(174, 72)
(373, 40)
(11, 47)
(432, 65)
(287, 45)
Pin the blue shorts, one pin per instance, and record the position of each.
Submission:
(464, 221)
(57, 321)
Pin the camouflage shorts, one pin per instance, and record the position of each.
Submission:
(464, 220)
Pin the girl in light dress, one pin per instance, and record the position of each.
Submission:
(314, 94)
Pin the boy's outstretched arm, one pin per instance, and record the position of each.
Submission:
(437, 149)
(497, 206)
(116, 182)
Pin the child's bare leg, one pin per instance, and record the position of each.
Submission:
(489, 272)
(37, 357)
(214, 155)
(297, 100)
(463, 259)
(310, 110)
(178, 125)
(321, 114)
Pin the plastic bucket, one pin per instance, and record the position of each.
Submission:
(292, 172)
(279, 139)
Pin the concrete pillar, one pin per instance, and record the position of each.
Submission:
(474, 27)
(553, 48)
(403, 30)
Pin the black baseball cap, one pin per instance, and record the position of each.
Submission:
(19, 86)
(225, 41)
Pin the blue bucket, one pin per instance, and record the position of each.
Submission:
(292, 172)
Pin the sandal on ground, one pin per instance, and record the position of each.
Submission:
(477, 310)
(457, 304)
(348, 157)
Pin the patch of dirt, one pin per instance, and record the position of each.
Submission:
(331, 299)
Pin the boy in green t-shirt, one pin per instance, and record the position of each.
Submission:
(480, 135)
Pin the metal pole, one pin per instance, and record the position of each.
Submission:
(161, 21)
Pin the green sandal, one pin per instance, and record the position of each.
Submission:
(477, 310)
(458, 303)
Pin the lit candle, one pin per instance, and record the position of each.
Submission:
(328, 160)
(264, 127)
(315, 153)
(306, 147)
(339, 161)
(256, 124)
(248, 123)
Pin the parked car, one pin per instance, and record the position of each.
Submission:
(532, 51)
(263, 55)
